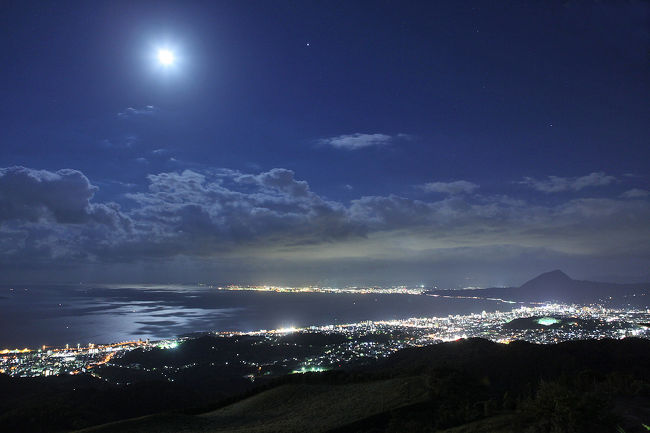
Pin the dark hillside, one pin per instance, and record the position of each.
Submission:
(466, 386)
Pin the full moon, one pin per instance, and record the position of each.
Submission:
(165, 57)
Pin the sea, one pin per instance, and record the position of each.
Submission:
(55, 315)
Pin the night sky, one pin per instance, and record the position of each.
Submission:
(352, 142)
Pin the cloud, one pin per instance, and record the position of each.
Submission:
(560, 184)
(229, 219)
(50, 219)
(196, 213)
(636, 193)
(123, 142)
(131, 112)
(451, 188)
(584, 226)
(40, 195)
(359, 141)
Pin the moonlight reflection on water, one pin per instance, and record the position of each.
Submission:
(57, 315)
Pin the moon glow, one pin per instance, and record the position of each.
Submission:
(166, 57)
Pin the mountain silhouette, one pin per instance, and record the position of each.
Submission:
(547, 279)
(556, 286)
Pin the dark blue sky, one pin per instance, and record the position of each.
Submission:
(452, 142)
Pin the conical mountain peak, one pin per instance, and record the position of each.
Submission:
(556, 277)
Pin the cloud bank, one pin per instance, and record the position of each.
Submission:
(228, 219)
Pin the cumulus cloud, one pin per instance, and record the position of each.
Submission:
(52, 217)
(560, 184)
(40, 195)
(359, 140)
(636, 193)
(451, 188)
(49, 217)
(199, 212)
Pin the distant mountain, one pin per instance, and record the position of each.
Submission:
(559, 287)
(555, 278)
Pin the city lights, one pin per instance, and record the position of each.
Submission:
(361, 340)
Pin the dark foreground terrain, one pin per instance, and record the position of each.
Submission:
(465, 386)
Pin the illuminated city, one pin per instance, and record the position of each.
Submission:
(551, 323)
(404, 290)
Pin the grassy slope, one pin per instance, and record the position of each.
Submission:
(496, 424)
(471, 386)
(289, 408)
